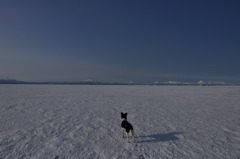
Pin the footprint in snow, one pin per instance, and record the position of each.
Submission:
(56, 157)
(141, 157)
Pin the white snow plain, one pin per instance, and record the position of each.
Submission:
(77, 121)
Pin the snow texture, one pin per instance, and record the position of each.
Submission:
(72, 121)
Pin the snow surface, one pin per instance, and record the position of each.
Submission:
(75, 121)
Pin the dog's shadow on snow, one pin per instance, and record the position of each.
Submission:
(154, 138)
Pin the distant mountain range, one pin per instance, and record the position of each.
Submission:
(87, 82)
(92, 82)
(199, 83)
(11, 81)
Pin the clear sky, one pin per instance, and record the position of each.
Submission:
(120, 40)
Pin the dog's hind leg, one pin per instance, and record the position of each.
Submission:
(133, 135)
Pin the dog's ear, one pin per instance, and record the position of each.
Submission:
(126, 114)
(121, 113)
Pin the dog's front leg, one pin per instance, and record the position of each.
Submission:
(127, 136)
(123, 132)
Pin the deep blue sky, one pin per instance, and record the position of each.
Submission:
(120, 40)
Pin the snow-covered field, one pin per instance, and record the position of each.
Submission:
(70, 121)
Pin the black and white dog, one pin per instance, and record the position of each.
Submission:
(126, 126)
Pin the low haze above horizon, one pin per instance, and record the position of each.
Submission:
(120, 41)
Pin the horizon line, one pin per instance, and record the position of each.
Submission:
(97, 82)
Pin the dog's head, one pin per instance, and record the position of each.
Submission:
(123, 115)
